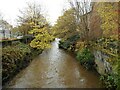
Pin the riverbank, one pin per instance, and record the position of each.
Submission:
(101, 55)
(15, 58)
(55, 68)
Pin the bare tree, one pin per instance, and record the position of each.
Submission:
(30, 15)
(82, 9)
(32, 10)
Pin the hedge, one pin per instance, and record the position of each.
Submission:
(15, 58)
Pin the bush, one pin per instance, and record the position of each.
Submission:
(69, 42)
(118, 77)
(79, 45)
(15, 58)
(86, 58)
(109, 81)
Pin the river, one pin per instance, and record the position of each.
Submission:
(55, 68)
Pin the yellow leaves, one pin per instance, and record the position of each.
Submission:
(114, 37)
(42, 38)
(31, 23)
(106, 10)
(66, 24)
(109, 60)
(80, 45)
(40, 44)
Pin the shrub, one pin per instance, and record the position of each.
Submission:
(69, 42)
(118, 77)
(13, 59)
(86, 58)
(79, 45)
(109, 81)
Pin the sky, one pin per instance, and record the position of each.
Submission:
(52, 8)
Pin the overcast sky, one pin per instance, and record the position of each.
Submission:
(10, 8)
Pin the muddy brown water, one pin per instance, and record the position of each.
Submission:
(55, 68)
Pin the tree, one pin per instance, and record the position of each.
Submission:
(109, 25)
(31, 14)
(42, 38)
(21, 29)
(82, 9)
(109, 18)
(32, 21)
(66, 24)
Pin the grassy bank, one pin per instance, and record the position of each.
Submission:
(83, 54)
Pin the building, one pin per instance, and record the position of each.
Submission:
(5, 30)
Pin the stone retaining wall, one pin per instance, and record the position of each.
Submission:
(103, 66)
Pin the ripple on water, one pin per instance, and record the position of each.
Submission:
(55, 68)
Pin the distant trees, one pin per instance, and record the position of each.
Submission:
(21, 29)
(33, 22)
(66, 24)
(82, 9)
(29, 15)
